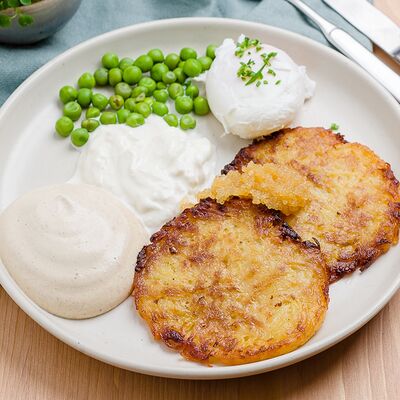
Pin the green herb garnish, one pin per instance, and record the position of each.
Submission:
(258, 74)
(246, 44)
(245, 70)
(334, 127)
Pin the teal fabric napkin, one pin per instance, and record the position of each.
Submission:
(98, 16)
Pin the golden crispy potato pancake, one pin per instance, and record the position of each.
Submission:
(276, 186)
(354, 211)
(231, 284)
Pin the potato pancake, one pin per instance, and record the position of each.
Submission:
(354, 211)
(231, 284)
(276, 186)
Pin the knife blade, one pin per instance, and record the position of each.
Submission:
(371, 22)
(354, 50)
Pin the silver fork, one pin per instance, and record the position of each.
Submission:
(354, 50)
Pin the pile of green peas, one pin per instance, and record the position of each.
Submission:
(141, 87)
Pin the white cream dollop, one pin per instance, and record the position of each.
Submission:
(151, 167)
(71, 248)
(253, 111)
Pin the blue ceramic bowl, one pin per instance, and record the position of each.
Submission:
(49, 16)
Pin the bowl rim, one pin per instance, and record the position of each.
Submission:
(34, 7)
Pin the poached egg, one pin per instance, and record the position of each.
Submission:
(264, 106)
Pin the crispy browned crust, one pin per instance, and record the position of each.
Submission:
(316, 152)
(231, 284)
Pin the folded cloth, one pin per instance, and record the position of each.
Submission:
(95, 17)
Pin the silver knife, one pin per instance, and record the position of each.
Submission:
(371, 22)
(354, 50)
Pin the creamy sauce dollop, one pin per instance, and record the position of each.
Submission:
(71, 248)
(151, 167)
(253, 111)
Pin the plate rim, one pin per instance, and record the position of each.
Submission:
(181, 372)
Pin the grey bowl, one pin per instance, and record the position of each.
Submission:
(49, 16)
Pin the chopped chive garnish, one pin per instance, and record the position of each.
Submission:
(246, 44)
(267, 62)
(245, 71)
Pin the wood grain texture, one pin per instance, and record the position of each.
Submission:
(35, 365)
(392, 9)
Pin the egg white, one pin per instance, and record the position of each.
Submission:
(252, 111)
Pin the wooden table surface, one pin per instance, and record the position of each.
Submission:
(35, 365)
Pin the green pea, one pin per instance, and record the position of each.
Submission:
(159, 108)
(123, 89)
(181, 64)
(79, 137)
(23, 19)
(205, 62)
(67, 94)
(144, 62)
(110, 60)
(86, 80)
(84, 97)
(192, 91)
(161, 85)
(187, 53)
(114, 76)
(187, 122)
(172, 60)
(192, 68)
(180, 75)
(116, 101)
(122, 114)
(148, 100)
(99, 101)
(175, 90)
(140, 98)
(161, 95)
(201, 106)
(72, 110)
(138, 90)
(169, 77)
(101, 77)
(143, 108)
(92, 112)
(125, 63)
(148, 83)
(132, 75)
(108, 118)
(90, 124)
(64, 126)
(130, 104)
(183, 104)
(171, 120)
(210, 52)
(156, 55)
(135, 120)
(158, 70)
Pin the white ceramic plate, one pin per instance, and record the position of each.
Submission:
(31, 156)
